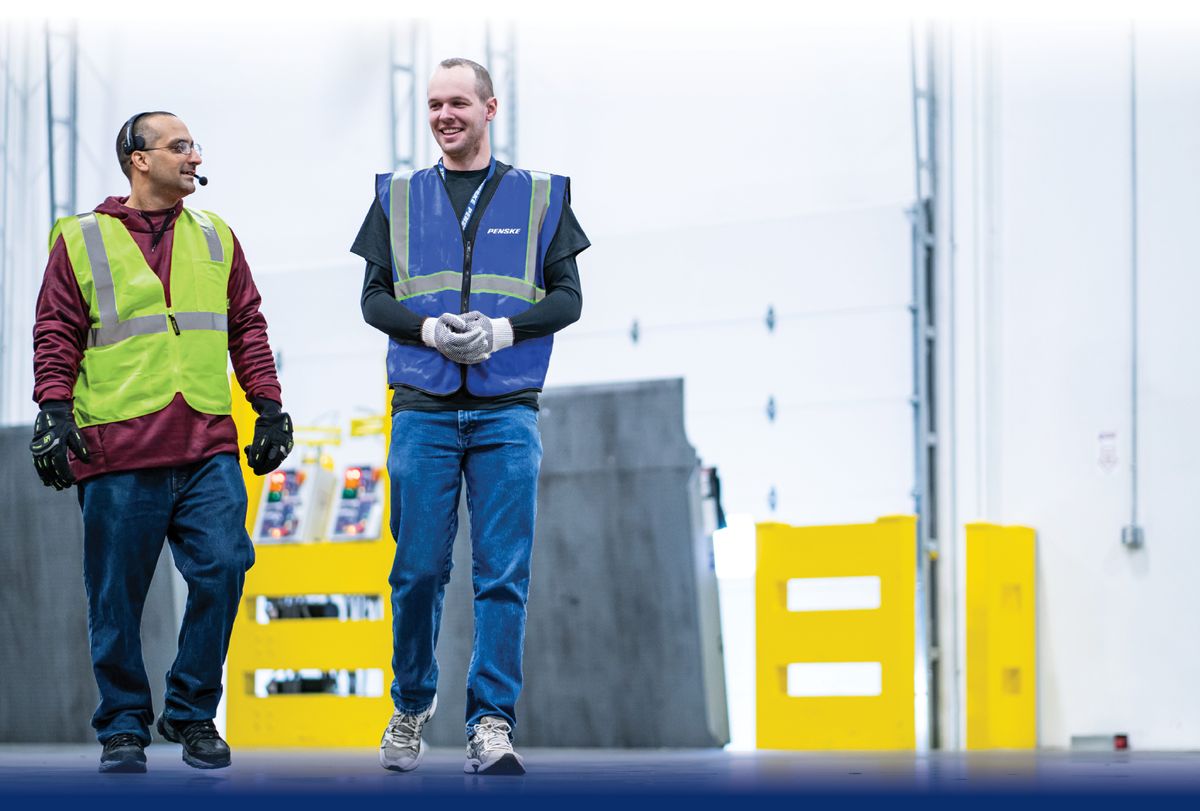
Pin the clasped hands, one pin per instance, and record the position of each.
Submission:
(469, 338)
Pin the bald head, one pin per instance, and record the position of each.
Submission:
(143, 127)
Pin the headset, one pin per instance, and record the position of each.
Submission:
(132, 143)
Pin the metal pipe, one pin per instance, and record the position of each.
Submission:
(73, 122)
(950, 424)
(924, 437)
(1132, 535)
(6, 377)
(50, 128)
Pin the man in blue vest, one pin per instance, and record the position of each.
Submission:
(470, 271)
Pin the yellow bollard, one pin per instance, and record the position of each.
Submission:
(836, 636)
(1001, 638)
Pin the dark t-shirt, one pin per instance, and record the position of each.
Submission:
(560, 307)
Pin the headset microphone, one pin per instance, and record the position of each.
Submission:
(202, 180)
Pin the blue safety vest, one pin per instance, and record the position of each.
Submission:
(436, 270)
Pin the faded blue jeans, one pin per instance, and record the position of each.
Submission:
(201, 510)
(499, 452)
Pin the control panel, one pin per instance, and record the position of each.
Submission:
(357, 513)
(295, 503)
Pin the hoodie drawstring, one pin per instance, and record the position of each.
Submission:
(158, 234)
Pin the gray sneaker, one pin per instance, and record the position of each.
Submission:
(489, 751)
(401, 747)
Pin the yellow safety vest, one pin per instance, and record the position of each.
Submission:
(140, 352)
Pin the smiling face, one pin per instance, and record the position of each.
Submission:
(161, 171)
(459, 118)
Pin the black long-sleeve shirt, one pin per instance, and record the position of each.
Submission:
(561, 306)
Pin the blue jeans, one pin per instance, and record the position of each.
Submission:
(201, 509)
(499, 452)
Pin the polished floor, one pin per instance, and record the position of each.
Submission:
(706, 777)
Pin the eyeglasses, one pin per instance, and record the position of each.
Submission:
(184, 148)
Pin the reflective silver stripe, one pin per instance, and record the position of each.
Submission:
(142, 325)
(211, 321)
(102, 280)
(216, 251)
(506, 286)
(398, 216)
(152, 324)
(422, 285)
(482, 283)
(539, 204)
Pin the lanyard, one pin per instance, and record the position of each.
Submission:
(466, 218)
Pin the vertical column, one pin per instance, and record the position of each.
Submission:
(405, 93)
(62, 80)
(923, 216)
(500, 51)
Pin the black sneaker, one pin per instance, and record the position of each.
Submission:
(202, 746)
(123, 752)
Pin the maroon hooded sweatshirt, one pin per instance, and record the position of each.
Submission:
(177, 434)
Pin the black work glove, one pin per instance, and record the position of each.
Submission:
(272, 437)
(54, 431)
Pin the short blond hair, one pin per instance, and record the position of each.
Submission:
(483, 79)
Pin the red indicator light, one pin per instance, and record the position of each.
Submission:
(276, 532)
(353, 474)
(277, 481)
(1120, 742)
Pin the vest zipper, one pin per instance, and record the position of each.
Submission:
(174, 324)
(466, 288)
(465, 296)
(468, 242)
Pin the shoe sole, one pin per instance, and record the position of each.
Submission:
(194, 762)
(197, 763)
(506, 765)
(123, 767)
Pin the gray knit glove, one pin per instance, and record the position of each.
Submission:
(498, 332)
(451, 336)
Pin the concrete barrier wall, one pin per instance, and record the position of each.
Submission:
(47, 691)
(613, 653)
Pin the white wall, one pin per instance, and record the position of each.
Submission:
(721, 173)
(1041, 295)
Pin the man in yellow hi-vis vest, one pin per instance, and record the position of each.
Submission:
(142, 304)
